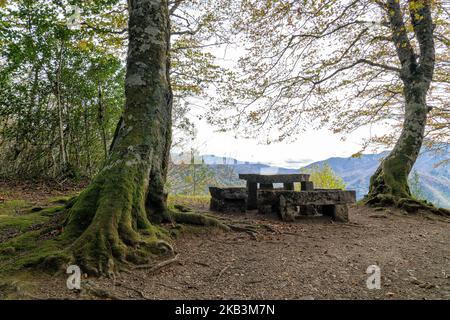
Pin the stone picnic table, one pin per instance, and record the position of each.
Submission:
(266, 183)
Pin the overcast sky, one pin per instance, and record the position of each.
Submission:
(310, 146)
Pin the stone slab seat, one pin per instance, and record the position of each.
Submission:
(230, 199)
(274, 178)
(266, 182)
(333, 203)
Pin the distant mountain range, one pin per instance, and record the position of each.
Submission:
(434, 181)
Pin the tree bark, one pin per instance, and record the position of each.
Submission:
(389, 184)
(111, 218)
(101, 121)
(62, 147)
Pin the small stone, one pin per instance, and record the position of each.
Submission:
(390, 294)
(306, 298)
(378, 216)
(427, 286)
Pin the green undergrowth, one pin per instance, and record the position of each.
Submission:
(62, 199)
(409, 205)
(28, 238)
(13, 207)
(200, 201)
(22, 222)
(34, 239)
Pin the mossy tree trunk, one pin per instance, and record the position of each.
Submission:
(110, 221)
(389, 184)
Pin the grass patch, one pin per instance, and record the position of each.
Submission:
(30, 249)
(62, 199)
(13, 207)
(23, 239)
(195, 202)
(22, 222)
(33, 238)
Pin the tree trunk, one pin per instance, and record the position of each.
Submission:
(111, 218)
(389, 184)
(390, 181)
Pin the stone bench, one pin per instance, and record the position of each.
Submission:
(266, 183)
(232, 199)
(288, 204)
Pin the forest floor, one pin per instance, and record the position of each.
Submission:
(312, 258)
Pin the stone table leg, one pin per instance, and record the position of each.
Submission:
(307, 186)
(338, 212)
(341, 213)
(289, 186)
(252, 192)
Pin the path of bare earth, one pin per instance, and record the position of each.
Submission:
(308, 259)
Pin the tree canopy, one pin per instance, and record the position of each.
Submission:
(329, 63)
(62, 81)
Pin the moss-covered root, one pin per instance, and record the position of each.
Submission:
(107, 225)
(389, 188)
(409, 204)
(197, 219)
(390, 179)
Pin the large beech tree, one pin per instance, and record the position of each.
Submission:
(345, 65)
(389, 184)
(110, 216)
(111, 221)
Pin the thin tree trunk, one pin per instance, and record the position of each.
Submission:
(86, 141)
(101, 120)
(62, 147)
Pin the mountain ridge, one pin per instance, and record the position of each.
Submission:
(434, 181)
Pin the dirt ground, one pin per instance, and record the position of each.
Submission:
(37, 193)
(311, 259)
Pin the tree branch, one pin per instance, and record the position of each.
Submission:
(379, 65)
(403, 46)
(422, 22)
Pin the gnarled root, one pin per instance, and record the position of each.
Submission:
(409, 204)
(388, 188)
(197, 219)
(107, 226)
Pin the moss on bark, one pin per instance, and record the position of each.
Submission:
(110, 224)
(389, 184)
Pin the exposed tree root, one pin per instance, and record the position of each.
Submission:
(103, 247)
(389, 187)
(409, 204)
(91, 290)
(141, 293)
(197, 219)
(221, 273)
(251, 231)
(155, 267)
